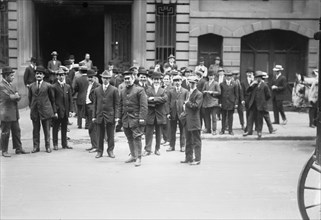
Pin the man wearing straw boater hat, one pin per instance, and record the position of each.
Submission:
(106, 101)
(9, 114)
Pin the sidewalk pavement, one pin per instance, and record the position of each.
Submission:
(297, 128)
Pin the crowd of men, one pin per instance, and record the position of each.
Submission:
(139, 101)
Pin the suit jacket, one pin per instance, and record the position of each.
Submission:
(132, 106)
(63, 100)
(260, 94)
(240, 90)
(167, 90)
(8, 103)
(245, 85)
(92, 92)
(192, 109)
(176, 101)
(41, 101)
(81, 85)
(106, 104)
(229, 95)
(156, 107)
(29, 76)
(201, 83)
(211, 100)
(53, 67)
(279, 94)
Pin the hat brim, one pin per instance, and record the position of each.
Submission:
(277, 69)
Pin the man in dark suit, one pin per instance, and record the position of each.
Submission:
(142, 76)
(241, 102)
(229, 101)
(167, 86)
(80, 86)
(9, 114)
(259, 98)
(63, 103)
(245, 85)
(279, 85)
(133, 111)
(53, 67)
(106, 101)
(156, 116)
(176, 99)
(29, 75)
(193, 124)
(42, 109)
(89, 110)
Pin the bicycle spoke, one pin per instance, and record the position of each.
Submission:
(316, 169)
(312, 188)
(311, 206)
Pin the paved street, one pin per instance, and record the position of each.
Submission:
(238, 179)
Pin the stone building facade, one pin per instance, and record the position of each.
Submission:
(244, 33)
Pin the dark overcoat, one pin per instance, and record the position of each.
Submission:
(156, 107)
(63, 100)
(229, 95)
(192, 109)
(8, 103)
(176, 101)
(279, 94)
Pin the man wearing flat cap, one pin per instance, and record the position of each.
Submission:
(106, 101)
(53, 67)
(63, 102)
(89, 110)
(193, 124)
(42, 109)
(279, 85)
(29, 74)
(156, 116)
(176, 98)
(260, 94)
(171, 64)
(229, 101)
(133, 111)
(9, 114)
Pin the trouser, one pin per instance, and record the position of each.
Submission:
(181, 133)
(166, 131)
(202, 116)
(92, 127)
(227, 115)
(210, 118)
(14, 127)
(241, 114)
(108, 130)
(267, 119)
(313, 113)
(278, 108)
(134, 138)
(149, 136)
(80, 114)
(193, 145)
(259, 119)
(63, 122)
(36, 132)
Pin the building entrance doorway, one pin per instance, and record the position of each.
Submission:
(209, 47)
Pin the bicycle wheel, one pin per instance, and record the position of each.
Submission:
(309, 190)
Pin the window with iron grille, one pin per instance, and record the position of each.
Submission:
(4, 50)
(165, 31)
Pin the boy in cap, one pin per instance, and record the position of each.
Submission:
(9, 114)
(29, 75)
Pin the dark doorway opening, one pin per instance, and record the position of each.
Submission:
(209, 47)
(70, 29)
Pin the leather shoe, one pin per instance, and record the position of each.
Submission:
(222, 132)
(195, 163)
(79, 127)
(182, 149)
(99, 154)
(110, 154)
(312, 126)
(273, 131)
(130, 160)
(157, 152)
(89, 149)
(48, 150)
(170, 149)
(93, 150)
(214, 133)
(21, 151)
(55, 147)
(275, 123)
(246, 134)
(146, 153)
(285, 122)
(186, 161)
(259, 135)
(5, 154)
(67, 147)
(137, 162)
(69, 123)
(231, 133)
(35, 150)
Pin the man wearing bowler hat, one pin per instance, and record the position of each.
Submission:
(9, 114)
(133, 111)
(142, 76)
(42, 109)
(229, 101)
(193, 124)
(106, 101)
(279, 85)
(156, 116)
(53, 67)
(89, 110)
(63, 102)
(29, 75)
